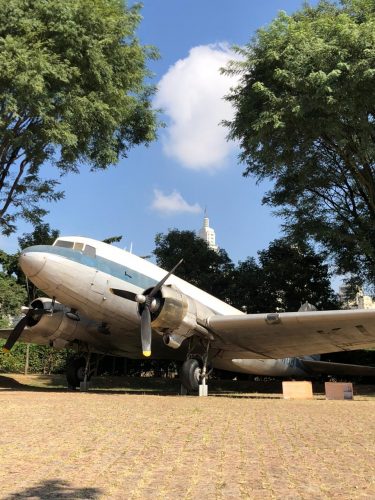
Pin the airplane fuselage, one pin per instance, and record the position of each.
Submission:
(80, 273)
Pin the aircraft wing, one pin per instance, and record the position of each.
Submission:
(282, 335)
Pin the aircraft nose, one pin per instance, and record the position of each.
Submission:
(31, 263)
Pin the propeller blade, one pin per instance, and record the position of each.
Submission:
(157, 287)
(124, 294)
(19, 328)
(146, 331)
(147, 300)
(14, 336)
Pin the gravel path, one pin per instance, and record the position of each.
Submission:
(100, 445)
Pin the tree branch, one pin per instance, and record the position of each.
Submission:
(15, 184)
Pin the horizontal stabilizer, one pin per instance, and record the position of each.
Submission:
(327, 368)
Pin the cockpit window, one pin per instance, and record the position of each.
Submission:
(64, 244)
(78, 246)
(89, 251)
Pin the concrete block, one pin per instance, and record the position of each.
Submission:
(297, 390)
(339, 390)
(203, 390)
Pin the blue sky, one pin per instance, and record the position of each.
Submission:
(191, 166)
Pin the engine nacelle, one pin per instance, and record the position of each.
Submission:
(47, 323)
(54, 327)
(175, 315)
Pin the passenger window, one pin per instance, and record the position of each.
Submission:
(78, 246)
(89, 251)
(64, 244)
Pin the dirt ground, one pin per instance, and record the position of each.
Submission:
(110, 443)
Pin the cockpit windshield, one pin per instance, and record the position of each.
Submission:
(64, 244)
(88, 250)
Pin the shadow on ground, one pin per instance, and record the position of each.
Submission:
(16, 382)
(56, 488)
(137, 385)
(269, 389)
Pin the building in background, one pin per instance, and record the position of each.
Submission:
(360, 301)
(208, 234)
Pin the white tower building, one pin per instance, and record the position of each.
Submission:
(361, 301)
(208, 234)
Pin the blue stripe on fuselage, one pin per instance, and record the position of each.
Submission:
(100, 263)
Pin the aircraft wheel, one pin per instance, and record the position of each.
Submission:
(190, 374)
(75, 372)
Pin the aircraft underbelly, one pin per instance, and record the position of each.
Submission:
(288, 367)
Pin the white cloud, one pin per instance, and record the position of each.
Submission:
(191, 95)
(172, 204)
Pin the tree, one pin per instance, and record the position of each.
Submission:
(112, 239)
(293, 275)
(246, 292)
(72, 91)
(12, 297)
(41, 235)
(42, 359)
(285, 277)
(305, 118)
(202, 266)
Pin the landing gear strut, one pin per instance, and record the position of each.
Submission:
(194, 372)
(78, 370)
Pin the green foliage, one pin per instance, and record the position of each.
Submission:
(12, 297)
(202, 266)
(42, 234)
(112, 239)
(285, 277)
(72, 91)
(42, 359)
(305, 118)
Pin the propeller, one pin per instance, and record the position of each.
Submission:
(20, 326)
(149, 305)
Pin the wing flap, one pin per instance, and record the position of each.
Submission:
(281, 335)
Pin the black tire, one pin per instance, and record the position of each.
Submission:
(75, 372)
(190, 374)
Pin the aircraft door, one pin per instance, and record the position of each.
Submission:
(99, 284)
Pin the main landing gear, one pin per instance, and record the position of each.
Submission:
(79, 372)
(194, 371)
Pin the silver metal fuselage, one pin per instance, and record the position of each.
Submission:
(82, 282)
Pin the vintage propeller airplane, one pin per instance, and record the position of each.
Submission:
(105, 300)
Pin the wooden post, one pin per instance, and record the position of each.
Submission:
(27, 359)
